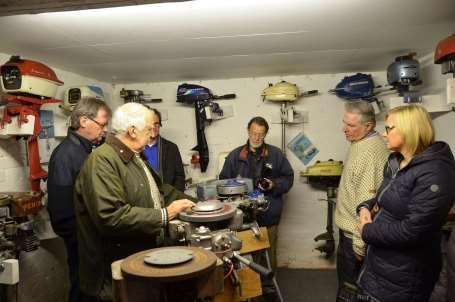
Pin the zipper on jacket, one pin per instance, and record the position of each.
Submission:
(394, 175)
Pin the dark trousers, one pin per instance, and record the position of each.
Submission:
(439, 293)
(348, 269)
(272, 232)
(269, 293)
(70, 239)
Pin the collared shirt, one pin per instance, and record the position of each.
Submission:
(151, 152)
(154, 191)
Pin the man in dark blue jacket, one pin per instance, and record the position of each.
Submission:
(270, 171)
(89, 121)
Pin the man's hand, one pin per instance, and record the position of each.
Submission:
(178, 206)
(269, 187)
(365, 217)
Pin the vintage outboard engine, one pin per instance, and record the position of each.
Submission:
(74, 94)
(216, 224)
(203, 101)
(445, 55)
(21, 76)
(403, 73)
(326, 175)
(227, 205)
(354, 87)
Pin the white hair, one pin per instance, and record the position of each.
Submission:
(127, 115)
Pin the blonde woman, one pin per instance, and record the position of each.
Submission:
(403, 259)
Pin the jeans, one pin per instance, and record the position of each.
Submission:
(348, 269)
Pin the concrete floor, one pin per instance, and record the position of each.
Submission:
(42, 275)
(307, 285)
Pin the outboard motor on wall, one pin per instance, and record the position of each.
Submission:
(74, 94)
(354, 87)
(403, 73)
(28, 85)
(359, 86)
(190, 93)
(204, 105)
(445, 55)
(21, 76)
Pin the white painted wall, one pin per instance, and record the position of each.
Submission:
(304, 216)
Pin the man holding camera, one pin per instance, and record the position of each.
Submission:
(270, 171)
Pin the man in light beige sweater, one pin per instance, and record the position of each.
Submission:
(362, 176)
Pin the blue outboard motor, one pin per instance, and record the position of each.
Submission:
(358, 86)
(201, 97)
(190, 93)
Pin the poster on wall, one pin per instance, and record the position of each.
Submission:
(46, 138)
(303, 148)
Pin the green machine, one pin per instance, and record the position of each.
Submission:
(325, 175)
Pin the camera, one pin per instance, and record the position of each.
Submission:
(266, 173)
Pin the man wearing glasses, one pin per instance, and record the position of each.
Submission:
(164, 156)
(362, 176)
(88, 126)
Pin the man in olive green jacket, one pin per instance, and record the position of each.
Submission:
(121, 205)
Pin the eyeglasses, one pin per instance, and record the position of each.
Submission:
(102, 126)
(388, 129)
(258, 135)
(156, 125)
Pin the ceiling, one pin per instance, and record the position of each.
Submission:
(207, 39)
(18, 7)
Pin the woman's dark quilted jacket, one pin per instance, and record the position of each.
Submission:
(403, 258)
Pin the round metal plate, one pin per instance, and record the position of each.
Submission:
(226, 212)
(232, 187)
(208, 206)
(168, 257)
(203, 261)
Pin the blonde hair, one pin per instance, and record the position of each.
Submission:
(414, 123)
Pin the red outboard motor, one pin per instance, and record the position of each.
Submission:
(445, 55)
(20, 76)
(29, 85)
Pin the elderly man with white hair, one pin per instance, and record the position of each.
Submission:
(121, 205)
